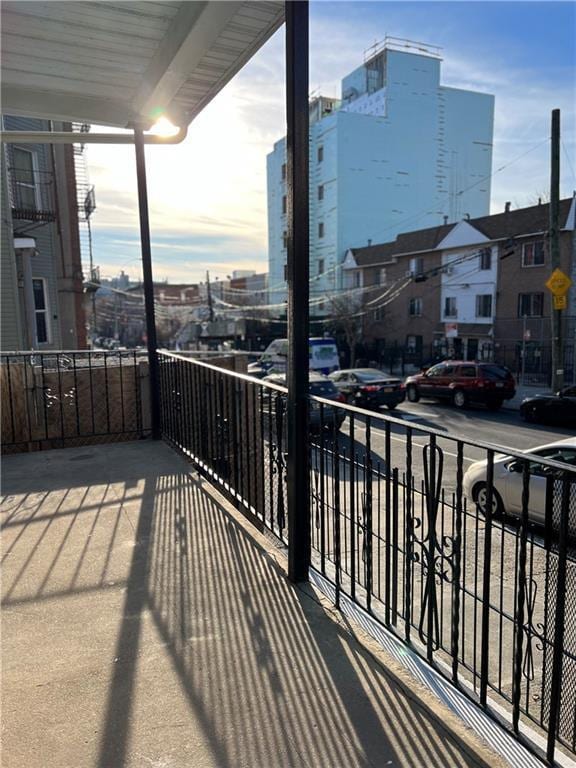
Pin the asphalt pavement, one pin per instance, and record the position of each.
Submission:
(503, 427)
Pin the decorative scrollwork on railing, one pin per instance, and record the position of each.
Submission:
(279, 466)
(438, 553)
(363, 526)
(315, 490)
(530, 630)
(50, 399)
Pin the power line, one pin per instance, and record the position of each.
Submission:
(568, 160)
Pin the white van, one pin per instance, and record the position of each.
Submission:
(323, 356)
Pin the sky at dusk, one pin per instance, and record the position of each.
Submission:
(208, 195)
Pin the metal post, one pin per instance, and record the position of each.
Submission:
(523, 377)
(557, 343)
(148, 283)
(298, 495)
(209, 298)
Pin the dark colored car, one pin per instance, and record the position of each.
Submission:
(320, 386)
(462, 383)
(551, 409)
(369, 388)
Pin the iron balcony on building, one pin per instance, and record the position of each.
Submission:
(31, 195)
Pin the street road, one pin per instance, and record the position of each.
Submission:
(504, 428)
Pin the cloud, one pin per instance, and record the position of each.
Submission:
(208, 195)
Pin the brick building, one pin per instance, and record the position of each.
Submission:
(474, 289)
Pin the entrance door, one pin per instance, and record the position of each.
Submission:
(472, 349)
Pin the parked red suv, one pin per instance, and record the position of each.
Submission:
(462, 383)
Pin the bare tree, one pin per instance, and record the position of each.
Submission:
(346, 318)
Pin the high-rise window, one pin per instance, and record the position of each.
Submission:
(320, 153)
(321, 192)
(284, 239)
(283, 171)
(320, 266)
(40, 310)
(284, 204)
(321, 229)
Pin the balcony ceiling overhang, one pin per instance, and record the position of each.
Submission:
(126, 63)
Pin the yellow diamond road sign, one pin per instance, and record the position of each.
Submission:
(558, 283)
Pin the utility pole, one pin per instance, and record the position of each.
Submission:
(209, 298)
(556, 315)
(116, 334)
(523, 378)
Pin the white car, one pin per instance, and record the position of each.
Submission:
(508, 472)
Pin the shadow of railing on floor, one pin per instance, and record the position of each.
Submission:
(247, 654)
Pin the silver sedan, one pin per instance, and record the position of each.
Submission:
(508, 480)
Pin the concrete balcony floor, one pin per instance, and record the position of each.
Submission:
(146, 623)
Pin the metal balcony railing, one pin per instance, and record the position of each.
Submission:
(31, 194)
(57, 399)
(402, 527)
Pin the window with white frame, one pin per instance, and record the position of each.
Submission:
(450, 307)
(41, 310)
(484, 305)
(417, 265)
(530, 304)
(486, 258)
(415, 307)
(533, 254)
(25, 179)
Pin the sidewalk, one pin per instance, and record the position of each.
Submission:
(145, 623)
